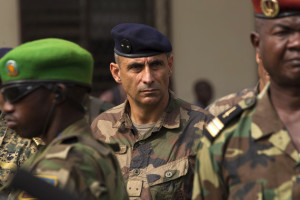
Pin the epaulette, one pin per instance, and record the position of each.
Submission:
(91, 142)
(217, 124)
(38, 141)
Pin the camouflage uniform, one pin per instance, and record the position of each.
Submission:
(14, 150)
(252, 158)
(222, 104)
(77, 163)
(160, 163)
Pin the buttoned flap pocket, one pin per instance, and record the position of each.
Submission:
(250, 190)
(168, 172)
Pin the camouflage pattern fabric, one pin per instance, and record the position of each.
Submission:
(222, 104)
(79, 164)
(253, 157)
(14, 150)
(160, 163)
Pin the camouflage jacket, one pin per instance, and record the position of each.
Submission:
(14, 150)
(160, 163)
(253, 157)
(222, 104)
(79, 164)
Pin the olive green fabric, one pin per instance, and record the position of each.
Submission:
(47, 59)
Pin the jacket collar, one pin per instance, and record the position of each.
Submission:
(265, 116)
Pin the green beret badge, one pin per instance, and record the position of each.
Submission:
(12, 68)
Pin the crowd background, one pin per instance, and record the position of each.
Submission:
(210, 40)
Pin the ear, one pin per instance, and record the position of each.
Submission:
(115, 72)
(60, 93)
(170, 64)
(255, 40)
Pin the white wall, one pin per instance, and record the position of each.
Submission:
(211, 40)
(9, 23)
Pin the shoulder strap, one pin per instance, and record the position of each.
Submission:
(217, 124)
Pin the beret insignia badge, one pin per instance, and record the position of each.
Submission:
(270, 8)
(125, 46)
(12, 68)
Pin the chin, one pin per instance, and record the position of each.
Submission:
(151, 102)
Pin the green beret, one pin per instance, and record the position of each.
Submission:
(47, 60)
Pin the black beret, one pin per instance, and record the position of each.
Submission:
(139, 40)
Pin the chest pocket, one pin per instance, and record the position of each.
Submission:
(168, 172)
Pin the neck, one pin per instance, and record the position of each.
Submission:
(285, 99)
(61, 119)
(145, 114)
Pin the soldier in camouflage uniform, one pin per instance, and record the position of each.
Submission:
(14, 150)
(226, 102)
(251, 151)
(158, 134)
(54, 76)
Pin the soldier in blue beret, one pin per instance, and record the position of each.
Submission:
(157, 133)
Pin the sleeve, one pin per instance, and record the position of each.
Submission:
(83, 172)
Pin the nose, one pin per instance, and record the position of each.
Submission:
(8, 107)
(294, 42)
(147, 76)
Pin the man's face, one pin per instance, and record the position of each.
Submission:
(146, 79)
(279, 49)
(28, 115)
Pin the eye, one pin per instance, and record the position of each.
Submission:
(135, 67)
(282, 31)
(156, 65)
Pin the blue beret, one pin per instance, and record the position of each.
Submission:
(3, 51)
(139, 40)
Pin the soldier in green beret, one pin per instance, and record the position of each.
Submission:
(252, 150)
(15, 150)
(44, 85)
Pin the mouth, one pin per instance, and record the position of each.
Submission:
(10, 123)
(149, 90)
(295, 62)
